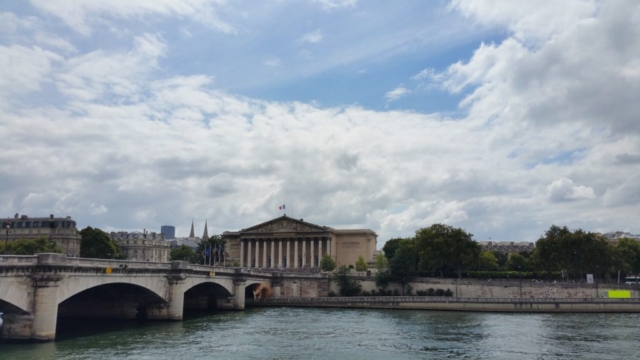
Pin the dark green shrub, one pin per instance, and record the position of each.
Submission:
(448, 292)
(439, 292)
(431, 292)
(331, 294)
(365, 293)
(421, 292)
(396, 293)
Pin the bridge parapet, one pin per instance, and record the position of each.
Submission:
(18, 260)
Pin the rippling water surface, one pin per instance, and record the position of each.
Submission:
(291, 333)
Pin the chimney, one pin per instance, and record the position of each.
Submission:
(16, 216)
(50, 216)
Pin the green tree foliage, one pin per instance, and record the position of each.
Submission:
(361, 265)
(348, 286)
(392, 245)
(402, 267)
(518, 262)
(381, 262)
(327, 263)
(30, 247)
(577, 252)
(213, 242)
(383, 277)
(502, 259)
(487, 261)
(186, 253)
(626, 256)
(97, 244)
(443, 247)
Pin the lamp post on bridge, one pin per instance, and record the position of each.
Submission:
(6, 239)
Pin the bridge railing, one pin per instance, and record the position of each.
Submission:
(84, 262)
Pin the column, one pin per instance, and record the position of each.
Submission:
(257, 253)
(313, 259)
(241, 253)
(288, 253)
(264, 253)
(304, 252)
(280, 253)
(273, 257)
(329, 246)
(295, 255)
(319, 250)
(249, 253)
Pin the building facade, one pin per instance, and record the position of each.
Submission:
(168, 231)
(507, 247)
(143, 246)
(287, 243)
(61, 230)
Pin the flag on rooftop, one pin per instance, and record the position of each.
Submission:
(281, 207)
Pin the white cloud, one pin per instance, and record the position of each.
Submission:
(336, 4)
(82, 15)
(274, 62)
(564, 190)
(397, 93)
(312, 37)
(24, 69)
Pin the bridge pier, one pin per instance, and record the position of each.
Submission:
(238, 292)
(45, 307)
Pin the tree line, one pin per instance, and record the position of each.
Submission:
(444, 251)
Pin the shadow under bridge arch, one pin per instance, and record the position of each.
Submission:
(114, 301)
(208, 295)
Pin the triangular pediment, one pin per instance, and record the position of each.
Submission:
(285, 224)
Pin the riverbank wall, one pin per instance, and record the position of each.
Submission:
(549, 305)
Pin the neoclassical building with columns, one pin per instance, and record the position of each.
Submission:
(289, 243)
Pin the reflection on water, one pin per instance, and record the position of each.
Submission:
(290, 333)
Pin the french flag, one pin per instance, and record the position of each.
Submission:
(281, 207)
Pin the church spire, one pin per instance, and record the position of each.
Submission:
(205, 236)
(192, 234)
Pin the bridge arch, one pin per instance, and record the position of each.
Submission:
(15, 298)
(118, 300)
(68, 289)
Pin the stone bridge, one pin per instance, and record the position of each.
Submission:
(36, 290)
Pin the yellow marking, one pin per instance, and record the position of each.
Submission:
(619, 294)
(108, 270)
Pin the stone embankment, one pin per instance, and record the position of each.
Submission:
(543, 305)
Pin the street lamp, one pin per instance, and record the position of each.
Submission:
(6, 239)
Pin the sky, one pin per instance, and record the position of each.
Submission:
(499, 117)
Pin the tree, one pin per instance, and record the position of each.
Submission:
(361, 265)
(626, 255)
(348, 286)
(502, 259)
(186, 253)
(30, 247)
(443, 247)
(402, 267)
(487, 261)
(97, 244)
(216, 247)
(327, 263)
(381, 262)
(518, 262)
(392, 245)
(574, 251)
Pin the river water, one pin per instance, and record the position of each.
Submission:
(297, 333)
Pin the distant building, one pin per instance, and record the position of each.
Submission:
(61, 230)
(616, 235)
(143, 246)
(168, 231)
(190, 242)
(285, 242)
(507, 247)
